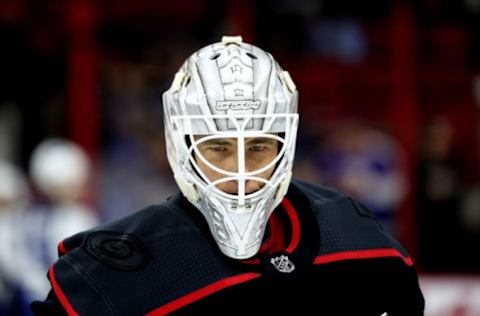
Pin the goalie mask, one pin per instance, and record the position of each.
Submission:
(230, 123)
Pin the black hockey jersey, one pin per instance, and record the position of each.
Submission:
(333, 258)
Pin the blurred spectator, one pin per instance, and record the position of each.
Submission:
(441, 196)
(30, 234)
(368, 164)
(60, 171)
(15, 261)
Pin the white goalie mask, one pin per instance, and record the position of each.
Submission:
(236, 91)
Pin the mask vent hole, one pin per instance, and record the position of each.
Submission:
(251, 55)
(215, 56)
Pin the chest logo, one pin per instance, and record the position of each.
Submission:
(283, 264)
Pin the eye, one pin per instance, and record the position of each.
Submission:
(217, 148)
(257, 148)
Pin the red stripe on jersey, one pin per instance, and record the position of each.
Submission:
(292, 214)
(276, 240)
(201, 293)
(363, 254)
(62, 250)
(60, 295)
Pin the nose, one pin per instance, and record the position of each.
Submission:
(231, 165)
(231, 186)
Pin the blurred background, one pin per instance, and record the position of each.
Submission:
(389, 113)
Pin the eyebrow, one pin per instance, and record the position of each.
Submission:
(231, 142)
(219, 141)
(261, 140)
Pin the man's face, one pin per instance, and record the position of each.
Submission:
(223, 154)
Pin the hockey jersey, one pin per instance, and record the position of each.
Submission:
(323, 253)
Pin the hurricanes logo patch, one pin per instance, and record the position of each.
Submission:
(119, 251)
(283, 264)
(238, 105)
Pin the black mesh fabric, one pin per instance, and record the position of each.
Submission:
(345, 224)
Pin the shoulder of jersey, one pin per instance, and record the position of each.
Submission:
(152, 222)
(348, 229)
(151, 257)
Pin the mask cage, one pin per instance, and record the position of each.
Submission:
(272, 126)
